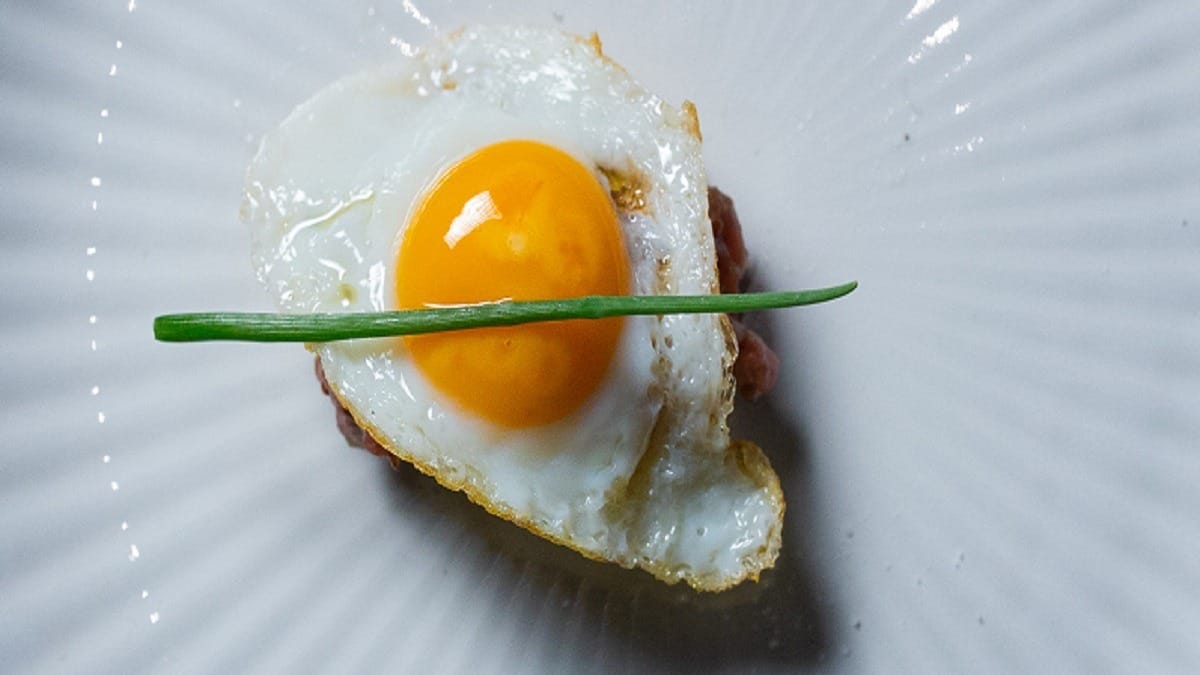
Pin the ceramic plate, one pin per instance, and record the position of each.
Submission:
(989, 451)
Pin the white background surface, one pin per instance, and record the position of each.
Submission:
(989, 451)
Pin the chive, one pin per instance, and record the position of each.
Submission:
(346, 326)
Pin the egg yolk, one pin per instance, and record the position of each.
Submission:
(516, 220)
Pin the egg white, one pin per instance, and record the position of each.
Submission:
(644, 474)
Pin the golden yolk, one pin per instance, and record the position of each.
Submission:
(515, 220)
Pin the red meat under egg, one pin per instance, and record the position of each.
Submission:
(757, 366)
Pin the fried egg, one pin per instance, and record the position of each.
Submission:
(521, 163)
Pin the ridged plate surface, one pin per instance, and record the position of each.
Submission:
(990, 451)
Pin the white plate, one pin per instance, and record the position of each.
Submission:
(989, 451)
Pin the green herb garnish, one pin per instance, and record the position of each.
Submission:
(329, 327)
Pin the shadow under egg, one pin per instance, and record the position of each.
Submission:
(631, 619)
